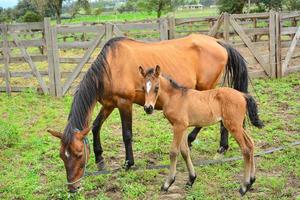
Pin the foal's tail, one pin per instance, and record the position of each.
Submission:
(252, 111)
(236, 70)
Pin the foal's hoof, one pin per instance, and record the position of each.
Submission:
(243, 190)
(127, 165)
(223, 149)
(101, 165)
(191, 181)
(165, 187)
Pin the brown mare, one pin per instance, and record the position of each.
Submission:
(187, 107)
(196, 61)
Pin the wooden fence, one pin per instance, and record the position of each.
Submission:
(54, 57)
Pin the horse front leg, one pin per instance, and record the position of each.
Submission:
(126, 118)
(175, 147)
(224, 140)
(97, 124)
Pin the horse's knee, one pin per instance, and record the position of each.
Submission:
(127, 136)
(173, 154)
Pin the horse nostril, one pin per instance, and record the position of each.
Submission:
(150, 107)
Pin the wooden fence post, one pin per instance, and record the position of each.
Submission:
(226, 27)
(48, 40)
(6, 59)
(279, 72)
(56, 67)
(172, 27)
(272, 44)
(108, 31)
(163, 29)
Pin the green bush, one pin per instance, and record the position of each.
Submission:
(231, 6)
(9, 135)
(32, 17)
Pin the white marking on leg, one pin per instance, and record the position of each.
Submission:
(148, 86)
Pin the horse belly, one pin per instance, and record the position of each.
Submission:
(204, 114)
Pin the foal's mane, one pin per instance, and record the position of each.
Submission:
(173, 83)
(90, 89)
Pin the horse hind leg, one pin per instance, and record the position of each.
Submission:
(223, 140)
(247, 148)
(252, 160)
(97, 124)
(192, 136)
(185, 152)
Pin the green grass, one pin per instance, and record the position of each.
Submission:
(31, 167)
(135, 16)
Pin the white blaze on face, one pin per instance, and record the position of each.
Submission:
(67, 154)
(148, 86)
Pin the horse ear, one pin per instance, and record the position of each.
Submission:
(142, 71)
(81, 134)
(157, 71)
(55, 133)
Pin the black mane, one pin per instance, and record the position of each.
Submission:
(174, 84)
(90, 89)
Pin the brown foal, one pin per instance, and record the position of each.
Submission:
(187, 107)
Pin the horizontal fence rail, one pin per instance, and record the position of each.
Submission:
(52, 58)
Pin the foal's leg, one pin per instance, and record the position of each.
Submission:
(102, 116)
(224, 140)
(193, 135)
(185, 152)
(178, 132)
(247, 150)
(252, 161)
(126, 118)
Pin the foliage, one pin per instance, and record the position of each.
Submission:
(6, 15)
(292, 4)
(32, 17)
(270, 4)
(22, 7)
(158, 6)
(231, 6)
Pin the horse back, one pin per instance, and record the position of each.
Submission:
(196, 61)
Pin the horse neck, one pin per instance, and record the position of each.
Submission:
(167, 91)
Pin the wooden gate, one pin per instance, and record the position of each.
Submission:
(16, 42)
(288, 40)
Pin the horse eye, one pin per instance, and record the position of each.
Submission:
(143, 88)
(156, 89)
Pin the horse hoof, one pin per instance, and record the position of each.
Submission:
(252, 180)
(127, 165)
(223, 149)
(163, 188)
(191, 181)
(242, 191)
(101, 165)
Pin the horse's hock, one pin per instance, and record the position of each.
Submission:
(51, 58)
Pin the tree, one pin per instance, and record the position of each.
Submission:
(159, 6)
(292, 4)
(32, 17)
(231, 6)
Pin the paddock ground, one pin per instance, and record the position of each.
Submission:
(31, 167)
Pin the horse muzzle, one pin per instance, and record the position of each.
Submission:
(74, 188)
(148, 109)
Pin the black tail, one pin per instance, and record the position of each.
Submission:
(252, 111)
(236, 70)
